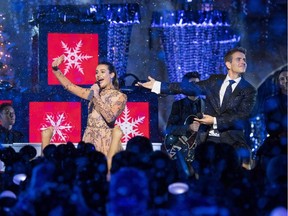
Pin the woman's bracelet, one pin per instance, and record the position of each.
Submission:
(55, 68)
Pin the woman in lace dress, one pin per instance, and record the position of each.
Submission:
(106, 103)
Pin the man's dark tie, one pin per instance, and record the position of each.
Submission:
(227, 94)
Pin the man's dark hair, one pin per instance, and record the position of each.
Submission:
(4, 105)
(228, 55)
(190, 75)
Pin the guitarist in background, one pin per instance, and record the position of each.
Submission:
(181, 130)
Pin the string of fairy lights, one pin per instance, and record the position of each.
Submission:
(118, 44)
(5, 56)
(194, 41)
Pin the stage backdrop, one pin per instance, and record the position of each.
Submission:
(66, 118)
(85, 35)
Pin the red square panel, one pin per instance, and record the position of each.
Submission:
(81, 56)
(135, 120)
(5, 101)
(64, 116)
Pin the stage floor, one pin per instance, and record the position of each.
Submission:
(18, 146)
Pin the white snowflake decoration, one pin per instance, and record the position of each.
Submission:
(129, 126)
(74, 57)
(60, 125)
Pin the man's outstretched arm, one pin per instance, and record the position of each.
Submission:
(158, 87)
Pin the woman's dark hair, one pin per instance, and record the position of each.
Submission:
(112, 69)
(278, 72)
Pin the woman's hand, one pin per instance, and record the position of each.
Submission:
(58, 61)
(117, 133)
(95, 88)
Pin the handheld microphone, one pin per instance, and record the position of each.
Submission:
(91, 93)
(199, 115)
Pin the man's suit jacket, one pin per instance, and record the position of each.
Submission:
(231, 120)
(10, 136)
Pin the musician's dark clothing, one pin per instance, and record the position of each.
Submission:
(232, 120)
(275, 113)
(10, 136)
(182, 109)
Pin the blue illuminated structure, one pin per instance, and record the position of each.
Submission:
(194, 41)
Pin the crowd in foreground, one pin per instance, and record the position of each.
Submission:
(70, 179)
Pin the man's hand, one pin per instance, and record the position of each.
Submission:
(207, 120)
(194, 126)
(148, 85)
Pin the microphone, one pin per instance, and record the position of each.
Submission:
(91, 93)
(199, 115)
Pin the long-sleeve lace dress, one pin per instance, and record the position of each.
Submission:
(102, 112)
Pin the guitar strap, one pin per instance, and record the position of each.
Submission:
(202, 103)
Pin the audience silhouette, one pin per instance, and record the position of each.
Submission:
(69, 179)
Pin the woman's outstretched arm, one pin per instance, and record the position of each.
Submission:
(66, 83)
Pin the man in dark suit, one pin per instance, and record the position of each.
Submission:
(7, 118)
(225, 122)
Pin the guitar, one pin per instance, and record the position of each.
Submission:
(183, 144)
